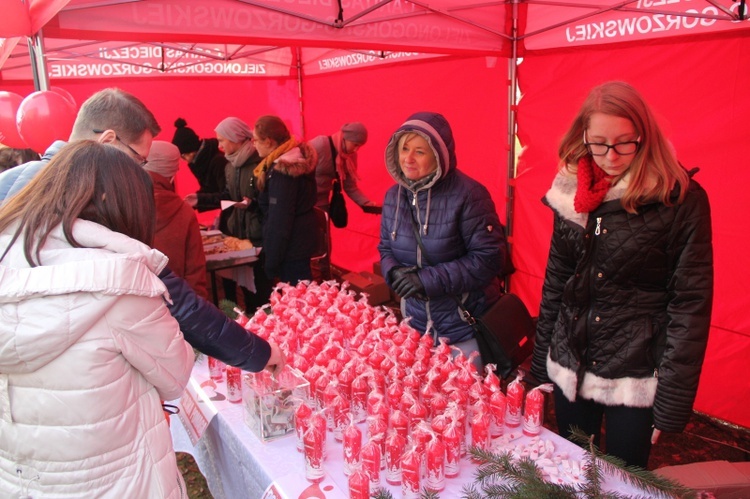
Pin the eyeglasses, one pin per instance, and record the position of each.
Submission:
(136, 155)
(621, 148)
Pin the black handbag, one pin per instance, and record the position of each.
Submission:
(337, 204)
(505, 333)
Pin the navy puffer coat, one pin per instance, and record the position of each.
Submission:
(460, 229)
(290, 229)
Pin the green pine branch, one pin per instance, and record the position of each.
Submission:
(424, 494)
(655, 485)
(501, 476)
(228, 306)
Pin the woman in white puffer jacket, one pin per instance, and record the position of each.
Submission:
(88, 348)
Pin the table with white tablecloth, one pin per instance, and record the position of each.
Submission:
(237, 464)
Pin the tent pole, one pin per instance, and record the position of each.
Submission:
(38, 61)
(510, 188)
(299, 91)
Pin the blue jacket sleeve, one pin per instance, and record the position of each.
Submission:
(16, 178)
(210, 331)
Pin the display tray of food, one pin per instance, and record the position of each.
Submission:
(220, 247)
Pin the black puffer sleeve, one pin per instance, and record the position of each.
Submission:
(210, 331)
(560, 266)
(689, 309)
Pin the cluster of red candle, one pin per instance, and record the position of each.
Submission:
(422, 404)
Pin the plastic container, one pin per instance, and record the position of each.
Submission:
(270, 402)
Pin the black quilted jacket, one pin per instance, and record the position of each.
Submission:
(626, 303)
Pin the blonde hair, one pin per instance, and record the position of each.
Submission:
(406, 137)
(654, 170)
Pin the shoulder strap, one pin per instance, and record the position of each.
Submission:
(333, 157)
(464, 312)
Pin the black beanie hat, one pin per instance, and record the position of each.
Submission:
(185, 138)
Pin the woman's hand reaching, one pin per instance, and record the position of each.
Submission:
(192, 199)
(277, 361)
(655, 436)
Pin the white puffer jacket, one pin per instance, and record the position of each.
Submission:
(87, 350)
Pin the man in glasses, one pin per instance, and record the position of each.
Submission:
(112, 116)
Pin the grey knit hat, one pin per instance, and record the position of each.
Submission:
(354, 132)
(234, 129)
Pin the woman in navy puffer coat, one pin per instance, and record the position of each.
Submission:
(458, 225)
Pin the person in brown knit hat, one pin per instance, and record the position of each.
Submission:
(203, 156)
(177, 232)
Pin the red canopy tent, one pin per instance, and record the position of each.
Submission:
(377, 62)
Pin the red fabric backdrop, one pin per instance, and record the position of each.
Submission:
(471, 93)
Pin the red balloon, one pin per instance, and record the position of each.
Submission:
(44, 117)
(9, 136)
(64, 93)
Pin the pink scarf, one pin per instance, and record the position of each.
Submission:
(346, 163)
(593, 185)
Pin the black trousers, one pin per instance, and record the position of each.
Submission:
(627, 430)
(263, 286)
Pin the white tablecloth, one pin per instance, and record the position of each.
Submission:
(237, 464)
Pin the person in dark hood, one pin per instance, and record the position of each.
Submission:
(626, 303)
(203, 156)
(458, 225)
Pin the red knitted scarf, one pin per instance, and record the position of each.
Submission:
(593, 184)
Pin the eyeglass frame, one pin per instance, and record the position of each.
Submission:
(140, 159)
(588, 145)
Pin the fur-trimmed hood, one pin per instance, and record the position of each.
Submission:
(298, 161)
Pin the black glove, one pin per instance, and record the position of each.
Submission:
(372, 208)
(406, 282)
